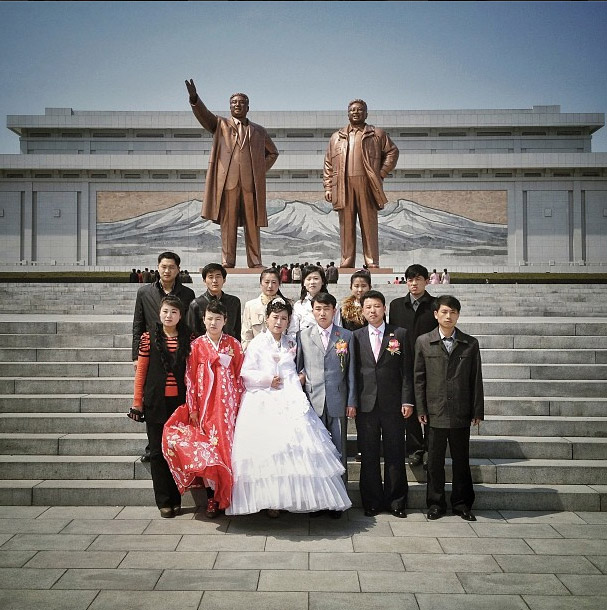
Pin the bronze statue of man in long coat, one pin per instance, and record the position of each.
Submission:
(235, 187)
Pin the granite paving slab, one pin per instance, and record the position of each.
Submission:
(76, 559)
(212, 580)
(126, 580)
(36, 578)
(431, 601)
(177, 560)
(546, 564)
(253, 600)
(146, 600)
(540, 602)
(449, 563)
(48, 542)
(264, 560)
(409, 582)
(15, 559)
(536, 584)
(11, 599)
(309, 580)
(362, 601)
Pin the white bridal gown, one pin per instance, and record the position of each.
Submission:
(282, 457)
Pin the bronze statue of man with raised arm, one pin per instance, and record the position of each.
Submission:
(358, 158)
(235, 187)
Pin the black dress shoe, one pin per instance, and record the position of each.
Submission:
(167, 512)
(465, 513)
(435, 512)
(401, 513)
(372, 512)
(335, 514)
(145, 457)
(317, 513)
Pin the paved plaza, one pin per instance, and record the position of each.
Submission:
(108, 558)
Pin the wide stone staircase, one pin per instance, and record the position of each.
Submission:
(66, 383)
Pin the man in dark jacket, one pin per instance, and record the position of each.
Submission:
(214, 276)
(414, 313)
(449, 399)
(385, 400)
(147, 304)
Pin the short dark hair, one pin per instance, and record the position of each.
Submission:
(305, 273)
(270, 271)
(172, 255)
(214, 267)
(358, 102)
(246, 97)
(373, 294)
(415, 270)
(278, 304)
(448, 300)
(171, 299)
(324, 298)
(360, 275)
(216, 306)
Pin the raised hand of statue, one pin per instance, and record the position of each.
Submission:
(191, 90)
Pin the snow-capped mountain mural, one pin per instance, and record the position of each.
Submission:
(297, 230)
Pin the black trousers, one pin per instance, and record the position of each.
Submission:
(462, 491)
(165, 489)
(373, 428)
(415, 435)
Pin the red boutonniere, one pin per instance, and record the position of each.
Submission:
(393, 345)
(341, 349)
(228, 349)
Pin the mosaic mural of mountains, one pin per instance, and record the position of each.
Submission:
(298, 229)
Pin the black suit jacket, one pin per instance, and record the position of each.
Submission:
(387, 382)
(416, 323)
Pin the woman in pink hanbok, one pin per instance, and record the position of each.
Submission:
(198, 437)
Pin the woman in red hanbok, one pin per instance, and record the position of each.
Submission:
(197, 439)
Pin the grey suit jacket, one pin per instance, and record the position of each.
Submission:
(326, 383)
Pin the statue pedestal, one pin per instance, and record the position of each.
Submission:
(380, 270)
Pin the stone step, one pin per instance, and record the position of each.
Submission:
(98, 423)
(68, 370)
(574, 372)
(537, 388)
(70, 423)
(116, 403)
(122, 325)
(95, 492)
(65, 403)
(133, 444)
(42, 341)
(590, 388)
(66, 467)
(515, 471)
(125, 444)
(546, 405)
(536, 356)
(82, 354)
(542, 426)
(71, 385)
(542, 356)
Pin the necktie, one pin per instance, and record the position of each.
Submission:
(325, 338)
(240, 134)
(448, 341)
(376, 345)
(415, 305)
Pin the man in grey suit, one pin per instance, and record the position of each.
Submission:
(327, 370)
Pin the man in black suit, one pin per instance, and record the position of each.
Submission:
(385, 400)
(414, 313)
(214, 276)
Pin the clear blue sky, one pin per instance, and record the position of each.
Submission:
(302, 55)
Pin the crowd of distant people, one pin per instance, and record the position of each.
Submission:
(252, 402)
